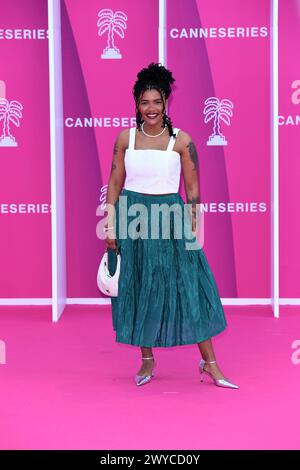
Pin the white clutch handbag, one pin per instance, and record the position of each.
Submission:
(107, 283)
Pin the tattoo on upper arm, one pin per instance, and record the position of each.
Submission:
(193, 154)
(113, 165)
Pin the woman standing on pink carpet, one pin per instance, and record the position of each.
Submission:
(167, 295)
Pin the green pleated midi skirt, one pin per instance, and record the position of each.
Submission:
(167, 295)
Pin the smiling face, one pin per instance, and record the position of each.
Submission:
(151, 107)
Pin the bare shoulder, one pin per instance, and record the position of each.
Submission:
(184, 137)
(183, 141)
(122, 139)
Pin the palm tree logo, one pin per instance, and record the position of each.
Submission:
(217, 110)
(113, 23)
(10, 112)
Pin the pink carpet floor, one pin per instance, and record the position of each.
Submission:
(69, 385)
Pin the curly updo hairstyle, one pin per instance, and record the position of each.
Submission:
(154, 77)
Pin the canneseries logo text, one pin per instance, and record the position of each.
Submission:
(10, 115)
(234, 32)
(27, 34)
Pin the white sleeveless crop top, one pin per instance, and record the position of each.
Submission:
(152, 171)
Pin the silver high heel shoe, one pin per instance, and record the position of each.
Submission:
(219, 382)
(144, 379)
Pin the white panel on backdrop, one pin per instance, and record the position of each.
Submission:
(274, 163)
(57, 162)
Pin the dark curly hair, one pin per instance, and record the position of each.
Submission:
(154, 77)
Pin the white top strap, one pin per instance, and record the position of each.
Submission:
(131, 138)
(173, 139)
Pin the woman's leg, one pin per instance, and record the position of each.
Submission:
(147, 364)
(207, 352)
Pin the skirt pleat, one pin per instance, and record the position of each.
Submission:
(167, 294)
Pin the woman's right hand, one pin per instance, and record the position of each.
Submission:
(110, 239)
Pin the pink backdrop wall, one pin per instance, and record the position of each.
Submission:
(289, 147)
(100, 88)
(229, 66)
(25, 212)
(231, 63)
